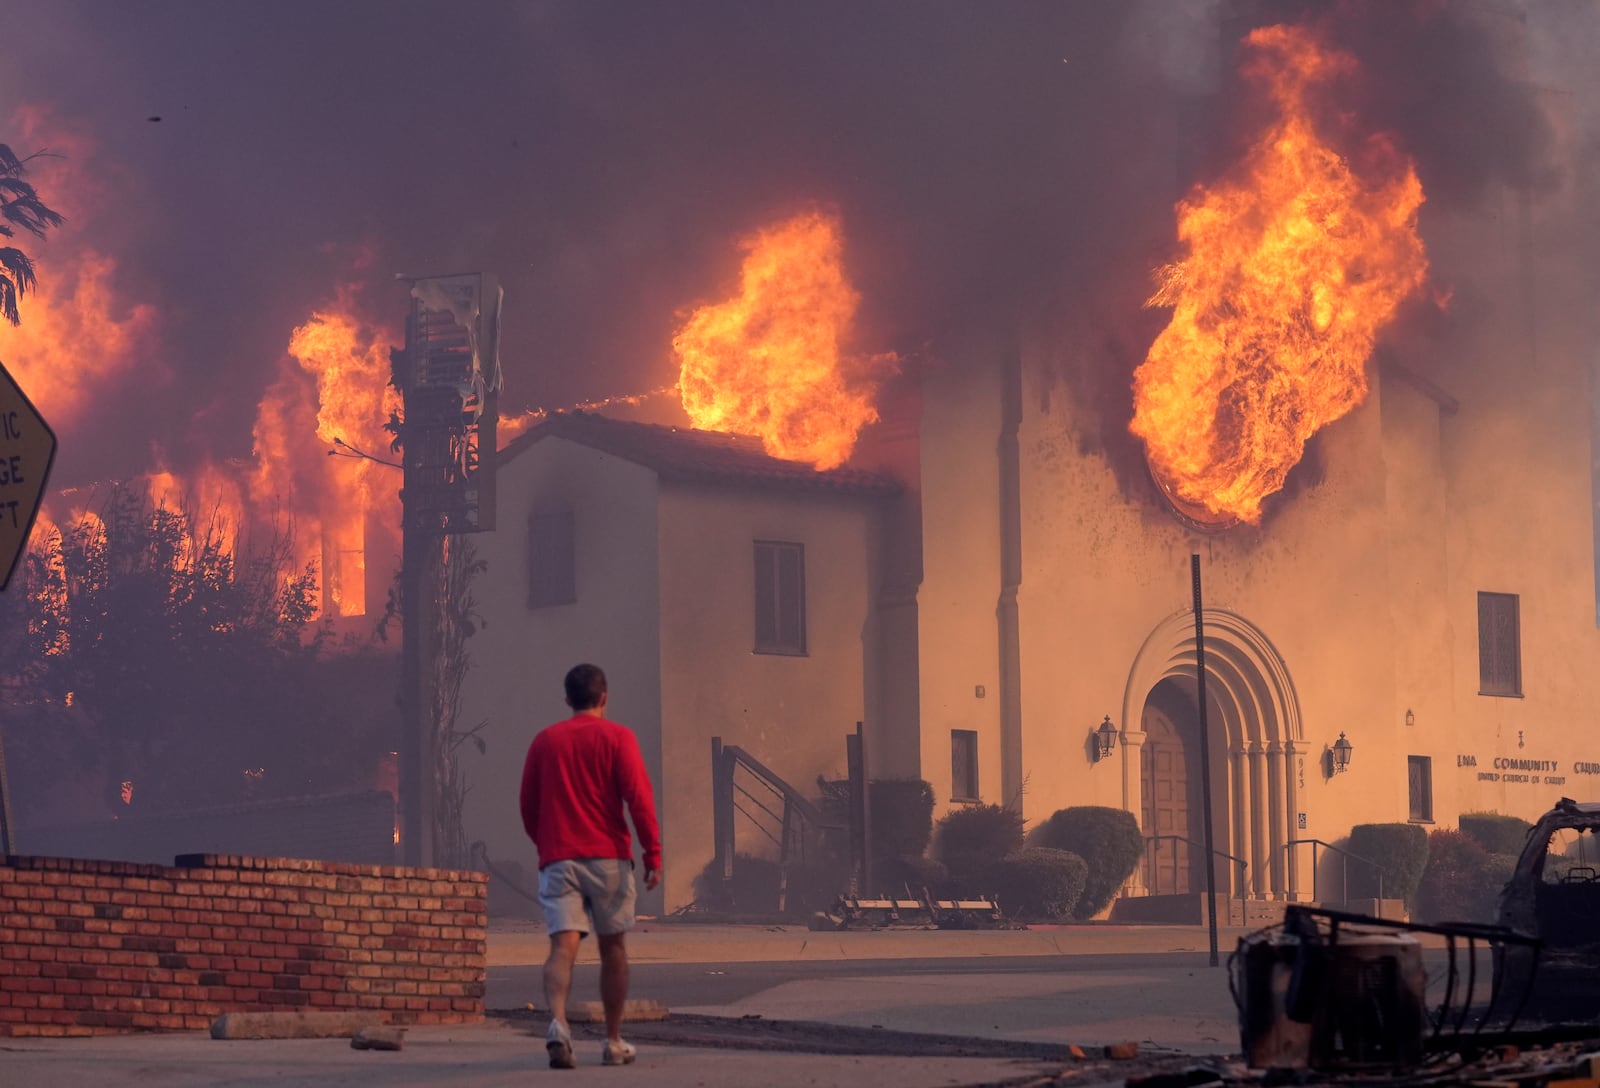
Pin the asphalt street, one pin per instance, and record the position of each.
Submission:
(705, 985)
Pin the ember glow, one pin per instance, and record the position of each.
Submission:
(771, 362)
(1291, 267)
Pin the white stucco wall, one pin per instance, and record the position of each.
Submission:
(957, 643)
(1518, 460)
(1363, 576)
(521, 654)
(791, 712)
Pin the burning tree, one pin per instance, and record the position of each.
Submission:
(153, 648)
(21, 207)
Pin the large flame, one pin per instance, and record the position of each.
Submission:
(1290, 268)
(80, 332)
(336, 393)
(77, 331)
(770, 362)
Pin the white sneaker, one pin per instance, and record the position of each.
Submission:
(618, 1053)
(558, 1041)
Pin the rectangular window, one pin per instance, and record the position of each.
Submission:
(1419, 771)
(1499, 645)
(963, 765)
(780, 597)
(552, 559)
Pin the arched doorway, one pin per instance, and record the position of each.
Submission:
(1168, 765)
(1256, 748)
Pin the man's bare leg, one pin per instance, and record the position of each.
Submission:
(613, 981)
(558, 972)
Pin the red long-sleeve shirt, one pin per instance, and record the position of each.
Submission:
(578, 776)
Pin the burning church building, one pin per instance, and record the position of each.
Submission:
(1355, 426)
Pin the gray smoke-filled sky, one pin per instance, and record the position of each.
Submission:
(603, 158)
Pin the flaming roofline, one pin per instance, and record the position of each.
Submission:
(686, 455)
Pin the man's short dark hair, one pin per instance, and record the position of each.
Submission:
(586, 686)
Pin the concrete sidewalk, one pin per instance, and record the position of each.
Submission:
(514, 943)
(1166, 1009)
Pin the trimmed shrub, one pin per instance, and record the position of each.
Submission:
(902, 815)
(896, 876)
(1108, 841)
(1497, 834)
(970, 840)
(1037, 882)
(1462, 880)
(813, 885)
(753, 888)
(1400, 850)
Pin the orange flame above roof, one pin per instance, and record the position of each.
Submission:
(1291, 267)
(770, 362)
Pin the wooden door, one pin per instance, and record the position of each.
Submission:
(1164, 776)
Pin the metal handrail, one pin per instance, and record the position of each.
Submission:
(790, 795)
(1345, 868)
(797, 813)
(1244, 866)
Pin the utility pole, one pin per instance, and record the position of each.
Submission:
(448, 375)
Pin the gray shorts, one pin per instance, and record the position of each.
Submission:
(573, 892)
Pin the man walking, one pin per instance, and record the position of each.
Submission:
(578, 776)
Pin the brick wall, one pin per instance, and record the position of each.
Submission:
(91, 947)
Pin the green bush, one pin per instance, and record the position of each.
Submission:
(970, 840)
(1400, 850)
(753, 888)
(1462, 880)
(1108, 841)
(902, 815)
(896, 876)
(813, 885)
(1037, 882)
(1497, 834)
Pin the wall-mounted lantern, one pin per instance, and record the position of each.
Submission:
(1341, 754)
(1411, 719)
(1105, 739)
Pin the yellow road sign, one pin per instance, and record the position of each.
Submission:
(27, 446)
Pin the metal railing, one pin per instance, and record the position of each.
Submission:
(797, 821)
(1152, 867)
(1346, 857)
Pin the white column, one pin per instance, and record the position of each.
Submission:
(1241, 821)
(1258, 820)
(1291, 793)
(1133, 799)
(1275, 818)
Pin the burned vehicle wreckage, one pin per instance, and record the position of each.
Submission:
(1555, 897)
(1330, 990)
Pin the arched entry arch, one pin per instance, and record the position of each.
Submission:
(1256, 739)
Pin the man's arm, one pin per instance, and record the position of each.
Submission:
(634, 784)
(528, 798)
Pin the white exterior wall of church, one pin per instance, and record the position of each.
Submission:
(1362, 581)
